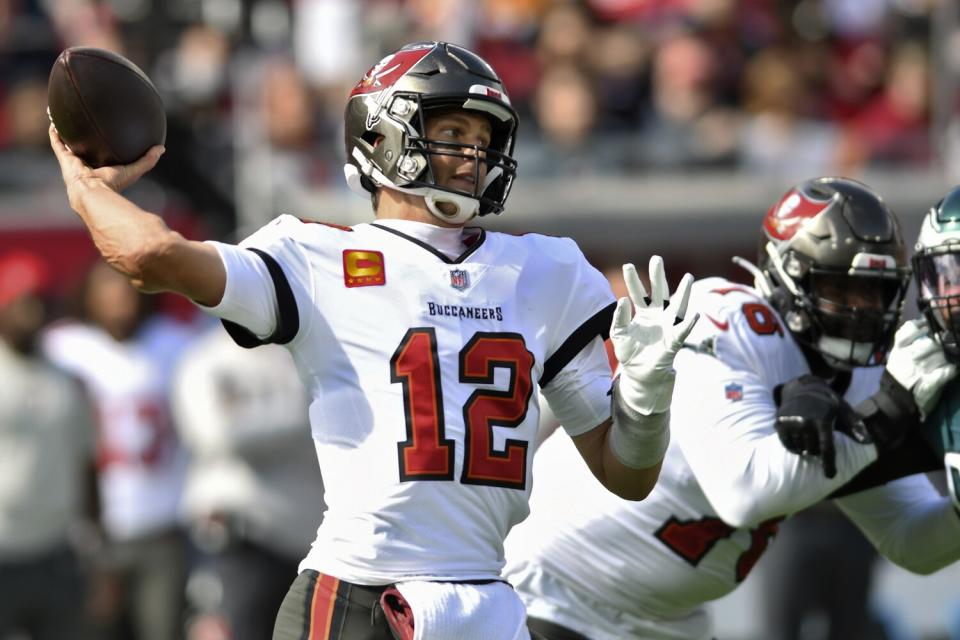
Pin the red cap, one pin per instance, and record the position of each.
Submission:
(22, 273)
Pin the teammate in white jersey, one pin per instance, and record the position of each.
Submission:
(425, 347)
(828, 294)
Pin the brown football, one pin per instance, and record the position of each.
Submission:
(104, 107)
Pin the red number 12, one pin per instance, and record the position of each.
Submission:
(427, 454)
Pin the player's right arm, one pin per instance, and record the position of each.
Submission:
(908, 522)
(135, 242)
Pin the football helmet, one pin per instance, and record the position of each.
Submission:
(936, 265)
(385, 123)
(834, 264)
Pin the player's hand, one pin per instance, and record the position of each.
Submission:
(808, 413)
(647, 337)
(918, 363)
(78, 176)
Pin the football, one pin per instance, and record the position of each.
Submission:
(104, 107)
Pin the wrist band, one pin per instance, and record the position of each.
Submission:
(638, 441)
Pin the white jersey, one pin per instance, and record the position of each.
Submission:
(140, 463)
(424, 373)
(611, 568)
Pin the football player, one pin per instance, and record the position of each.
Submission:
(425, 346)
(936, 266)
(925, 346)
(826, 301)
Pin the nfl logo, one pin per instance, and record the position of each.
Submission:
(733, 392)
(459, 279)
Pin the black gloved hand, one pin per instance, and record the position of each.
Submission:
(808, 412)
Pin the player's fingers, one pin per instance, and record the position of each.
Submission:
(618, 328)
(910, 331)
(925, 347)
(811, 441)
(638, 294)
(788, 428)
(621, 317)
(682, 330)
(659, 289)
(130, 173)
(59, 148)
(681, 297)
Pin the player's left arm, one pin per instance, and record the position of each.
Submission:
(626, 451)
(908, 522)
(625, 481)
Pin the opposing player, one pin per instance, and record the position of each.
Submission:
(828, 292)
(425, 346)
(936, 265)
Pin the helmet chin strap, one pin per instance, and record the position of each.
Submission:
(465, 208)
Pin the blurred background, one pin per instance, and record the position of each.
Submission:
(666, 126)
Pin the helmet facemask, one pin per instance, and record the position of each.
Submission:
(493, 174)
(938, 281)
(936, 264)
(847, 315)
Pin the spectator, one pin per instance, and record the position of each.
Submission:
(46, 453)
(779, 138)
(687, 125)
(251, 495)
(893, 127)
(125, 357)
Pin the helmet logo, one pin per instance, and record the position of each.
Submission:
(390, 69)
(786, 217)
(872, 261)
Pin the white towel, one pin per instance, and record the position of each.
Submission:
(457, 611)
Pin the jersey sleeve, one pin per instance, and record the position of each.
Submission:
(269, 285)
(908, 522)
(578, 395)
(584, 313)
(576, 373)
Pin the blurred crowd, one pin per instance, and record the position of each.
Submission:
(254, 89)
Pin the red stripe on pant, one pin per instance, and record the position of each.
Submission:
(323, 607)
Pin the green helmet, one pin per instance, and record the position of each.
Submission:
(936, 264)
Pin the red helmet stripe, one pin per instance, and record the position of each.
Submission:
(386, 72)
(784, 218)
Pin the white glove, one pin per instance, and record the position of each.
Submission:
(646, 345)
(918, 363)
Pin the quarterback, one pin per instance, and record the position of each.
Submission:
(822, 314)
(425, 346)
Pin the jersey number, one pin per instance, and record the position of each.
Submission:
(427, 454)
(693, 539)
(761, 319)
